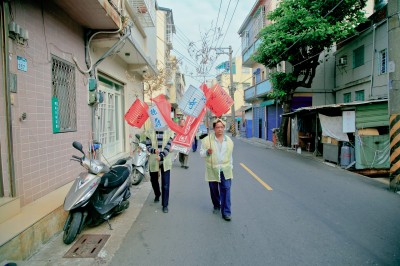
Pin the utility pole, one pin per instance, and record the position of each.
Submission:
(231, 88)
(394, 91)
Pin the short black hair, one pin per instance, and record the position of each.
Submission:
(218, 120)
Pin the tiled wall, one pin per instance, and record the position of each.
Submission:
(41, 158)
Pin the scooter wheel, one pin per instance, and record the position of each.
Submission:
(72, 227)
(136, 177)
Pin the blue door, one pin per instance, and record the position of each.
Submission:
(249, 128)
(273, 119)
(259, 122)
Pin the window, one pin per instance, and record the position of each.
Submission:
(245, 40)
(382, 61)
(347, 97)
(358, 57)
(258, 20)
(64, 95)
(360, 95)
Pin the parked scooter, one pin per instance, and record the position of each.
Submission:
(140, 159)
(96, 195)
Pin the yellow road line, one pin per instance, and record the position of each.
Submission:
(256, 177)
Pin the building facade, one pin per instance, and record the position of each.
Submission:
(67, 76)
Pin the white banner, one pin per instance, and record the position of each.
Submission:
(332, 126)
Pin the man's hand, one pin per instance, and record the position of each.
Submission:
(209, 151)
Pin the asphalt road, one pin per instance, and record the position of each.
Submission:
(286, 210)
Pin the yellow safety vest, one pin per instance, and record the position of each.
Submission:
(213, 167)
(154, 164)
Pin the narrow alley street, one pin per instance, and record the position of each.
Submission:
(315, 214)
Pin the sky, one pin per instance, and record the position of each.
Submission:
(194, 18)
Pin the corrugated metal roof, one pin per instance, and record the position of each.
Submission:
(336, 105)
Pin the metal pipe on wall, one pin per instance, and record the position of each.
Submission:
(5, 9)
(372, 62)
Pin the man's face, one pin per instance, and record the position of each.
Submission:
(219, 128)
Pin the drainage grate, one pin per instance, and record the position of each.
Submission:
(87, 246)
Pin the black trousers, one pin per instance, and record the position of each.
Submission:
(165, 180)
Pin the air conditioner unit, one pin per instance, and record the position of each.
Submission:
(342, 61)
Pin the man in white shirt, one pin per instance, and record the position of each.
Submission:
(217, 150)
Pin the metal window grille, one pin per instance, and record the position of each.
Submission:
(63, 88)
(245, 40)
(383, 62)
(258, 20)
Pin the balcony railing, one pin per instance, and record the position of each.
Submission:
(144, 11)
(246, 55)
(259, 90)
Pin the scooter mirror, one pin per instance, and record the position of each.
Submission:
(77, 145)
(137, 136)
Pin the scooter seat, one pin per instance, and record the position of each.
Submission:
(115, 177)
(121, 161)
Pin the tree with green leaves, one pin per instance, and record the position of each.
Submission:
(300, 31)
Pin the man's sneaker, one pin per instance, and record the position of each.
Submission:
(216, 210)
(157, 199)
(226, 217)
(165, 209)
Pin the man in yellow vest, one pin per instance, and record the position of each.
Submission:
(158, 144)
(217, 150)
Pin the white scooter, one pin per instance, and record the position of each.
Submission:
(96, 195)
(140, 159)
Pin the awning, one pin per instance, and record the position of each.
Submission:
(332, 106)
(267, 103)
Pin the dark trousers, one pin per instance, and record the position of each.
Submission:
(165, 179)
(183, 159)
(194, 144)
(221, 194)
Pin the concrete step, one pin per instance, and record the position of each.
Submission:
(9, 207)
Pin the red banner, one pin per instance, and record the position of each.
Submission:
(165, 109)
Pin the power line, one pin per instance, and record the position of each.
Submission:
(229, 22)
(226, 13)
(192, 63)
(216, 24)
